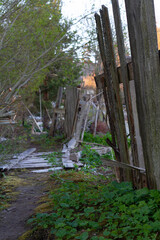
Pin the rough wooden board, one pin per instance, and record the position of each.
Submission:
(82, 116)
(31, 166)
(14, 162)
(34, 163)
(36, 160)
(110, 162)
(145, 58)
(2, 122)
(114, 96)
(102, 150)
(68, 165)
(72, 96)
(66, 160)
(55, 114)
(79, 164)
(125, 78)
(40, 154)
(47, 170)
(72, 143)
(103, 79)
(33, 160)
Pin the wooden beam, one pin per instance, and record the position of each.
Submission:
(7, 121)
(110, 162)
(120, 79)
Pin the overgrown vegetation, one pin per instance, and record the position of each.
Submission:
(84, 206)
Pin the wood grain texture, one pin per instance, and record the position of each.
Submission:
(105, 84)
(72, 96)
(145, 59)
(113, 87)
(125, 79)
(55, 113)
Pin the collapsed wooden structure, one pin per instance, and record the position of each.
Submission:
(141, 75)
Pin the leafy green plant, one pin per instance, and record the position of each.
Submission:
(88, 137)
(87, 209)
(90, 157)
(54, 158)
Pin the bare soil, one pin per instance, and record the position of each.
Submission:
(13, 221)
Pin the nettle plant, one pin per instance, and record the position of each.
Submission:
(86, 209)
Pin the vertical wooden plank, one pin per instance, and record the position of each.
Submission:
(81, 121)
(85, 122)
(145, 59)
(130, 71)
(127, 94)
(55, 115)
(107, 94)
(72, 96)
(96, 120)
(136, 124)
(114, 88)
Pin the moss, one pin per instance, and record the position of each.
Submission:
(8, 192)
(44, 207)
(38, 234)
(26, 235)
(76, 176)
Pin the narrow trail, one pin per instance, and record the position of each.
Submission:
(13, 220)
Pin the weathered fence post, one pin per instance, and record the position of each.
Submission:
(145, 58)
(127, 94)
(71, 103)
(107, 95)
(136, 124)
(55, 115)
(114, 88)
(124, 72)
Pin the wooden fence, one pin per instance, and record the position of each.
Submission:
(145, 71)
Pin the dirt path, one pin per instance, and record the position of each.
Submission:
(13, 220)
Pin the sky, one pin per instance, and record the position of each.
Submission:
(75, 8)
